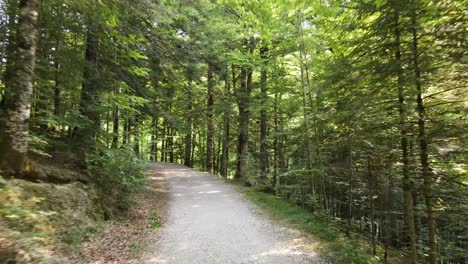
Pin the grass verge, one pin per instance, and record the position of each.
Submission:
(337, 248)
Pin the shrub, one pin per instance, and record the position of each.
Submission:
(120, 174)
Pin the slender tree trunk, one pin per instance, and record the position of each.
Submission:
(194, 143)
(210, 120)
(171, 144)
(125, 133)
(15, 132)
(427, 175)
(57, 89)
(154, 131)
(305, 94)
(164, 141)
(136, 135)
(371, 186)
(226, 128)
(243, 101)
(407, 182)
(115, 128)
(188, 133)
(263, 119)
(89, 101)
(242, 134)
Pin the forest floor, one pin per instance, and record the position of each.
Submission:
(209, 221)
(123, 240)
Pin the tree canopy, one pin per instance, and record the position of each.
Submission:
(355, 109)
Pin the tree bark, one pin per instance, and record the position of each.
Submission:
(136, 135)
(154, 131)
(226, 127)
(210, 120)
(407, 185)
(264, 168)
(89, 101)
(14, 137)
(427, 175)
(243, 102)
(188, 133)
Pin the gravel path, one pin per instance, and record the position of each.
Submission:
(209, 222)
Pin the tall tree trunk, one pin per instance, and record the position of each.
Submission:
(427, 175)
(226, 127)
(14, 135)
(115, 128)
(263, 119)
(243, 102)
(154, 131)
(171, 144)
(89, 101)
(125, 133)
(371, 187)
(305, 94)
(136, 135)
(407, 181)
(57, 89)
(188, 133)
(210, 120)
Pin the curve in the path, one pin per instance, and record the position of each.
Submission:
(209, 222)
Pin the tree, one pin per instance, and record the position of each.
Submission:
(14, 136)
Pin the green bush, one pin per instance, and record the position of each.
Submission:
(119, 174)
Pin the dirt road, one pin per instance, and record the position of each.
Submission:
(210, 222)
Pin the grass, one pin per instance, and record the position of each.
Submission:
(336, 247)
(136, 249)
(154, 220)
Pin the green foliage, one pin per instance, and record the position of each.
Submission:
(154, 220)
(119, 174)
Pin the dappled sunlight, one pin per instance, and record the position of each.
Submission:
(210, 222)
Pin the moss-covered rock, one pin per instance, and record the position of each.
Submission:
(71, 211)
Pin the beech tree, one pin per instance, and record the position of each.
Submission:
(15, 128)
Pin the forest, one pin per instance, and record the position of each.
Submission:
(355, 110)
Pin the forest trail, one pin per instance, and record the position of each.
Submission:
(209, 222)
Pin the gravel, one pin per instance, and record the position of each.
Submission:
(210, 222)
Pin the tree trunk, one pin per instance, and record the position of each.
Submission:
(154, 131)
(427, 176)
(170, 145)
(125, 133)
(226, 127)
(243, 102)
(263, 119)
(407, 182)
(89, 101)
(14, 137)
(371, 186)
(136, 135)
(305, 95)
(210, 120)
(188, 133)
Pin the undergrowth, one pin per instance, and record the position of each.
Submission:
(120, 174)
(336, 246)
(27, 226)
